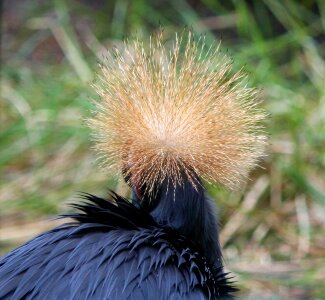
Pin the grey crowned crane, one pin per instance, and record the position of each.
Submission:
(168, 119)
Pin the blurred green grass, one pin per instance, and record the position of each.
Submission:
(273, 233)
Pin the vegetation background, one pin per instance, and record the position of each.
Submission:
(273, 232)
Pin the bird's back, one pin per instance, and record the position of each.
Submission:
(114, 251)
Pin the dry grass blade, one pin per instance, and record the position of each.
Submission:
(248, 204)
(304, 224)
(21, 233)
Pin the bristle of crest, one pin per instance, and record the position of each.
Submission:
(176, 113)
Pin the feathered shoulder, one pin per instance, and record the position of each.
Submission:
(119, 241)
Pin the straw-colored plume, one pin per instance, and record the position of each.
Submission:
(169, 112)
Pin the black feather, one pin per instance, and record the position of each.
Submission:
(114, 251)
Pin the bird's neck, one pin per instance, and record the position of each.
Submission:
(187, 209)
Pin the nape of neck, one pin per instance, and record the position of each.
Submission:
(188, 210)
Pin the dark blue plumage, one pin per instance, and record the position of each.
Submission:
(165, 248)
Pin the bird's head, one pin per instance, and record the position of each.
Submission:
(172, 115)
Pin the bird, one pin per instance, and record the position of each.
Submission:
(171, 118)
